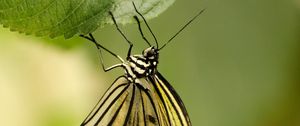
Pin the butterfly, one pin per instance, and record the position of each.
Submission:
(142, 96)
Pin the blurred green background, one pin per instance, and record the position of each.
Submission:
(236, 65)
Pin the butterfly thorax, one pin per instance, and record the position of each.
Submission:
(140, 66)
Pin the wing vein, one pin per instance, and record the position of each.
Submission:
(161, 98)
(101, 104)
(143, 106)
(130, 106)
(110, 105)
(170, 92)
(152, 102)
(117, 112)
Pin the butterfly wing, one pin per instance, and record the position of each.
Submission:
(170, 105)
(131, 104)
(126, 104)
(112, 102)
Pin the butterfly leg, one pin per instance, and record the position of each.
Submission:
(140, 29)
(99, 47)
(146, 24)
(129, 42)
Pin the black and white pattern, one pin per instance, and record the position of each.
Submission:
(142, 96)
(143, 65)
(130, 104)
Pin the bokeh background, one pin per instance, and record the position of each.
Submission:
(236, 65)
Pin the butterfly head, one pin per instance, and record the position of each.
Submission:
(151, 53)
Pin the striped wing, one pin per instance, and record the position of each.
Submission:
(128, 104)
(124, 104)
(170, 104)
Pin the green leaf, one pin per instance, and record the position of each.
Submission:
(69, 17)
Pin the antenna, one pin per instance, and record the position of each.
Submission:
(182, 29)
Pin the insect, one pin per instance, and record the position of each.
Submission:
(142, 96)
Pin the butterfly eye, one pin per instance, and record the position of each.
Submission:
(148, 52)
